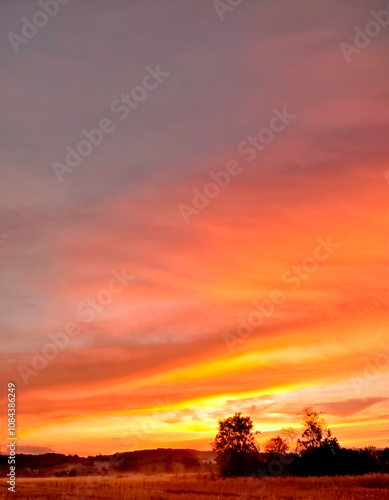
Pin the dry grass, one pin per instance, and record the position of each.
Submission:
(369, 487)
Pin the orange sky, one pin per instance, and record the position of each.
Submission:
(168, 353)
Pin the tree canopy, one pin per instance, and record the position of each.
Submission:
(276, 445)
(315, 434)
(237, 450)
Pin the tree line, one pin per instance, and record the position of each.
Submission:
(312, 452)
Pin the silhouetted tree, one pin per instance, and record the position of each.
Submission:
(290, 435)
(321, 454)
(330, 443)
(315, 434)
(314, 428)
(276, 445)
(384, 460)
(237, 451)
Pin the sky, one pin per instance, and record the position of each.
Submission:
(217, 244)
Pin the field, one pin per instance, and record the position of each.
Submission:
(369, 487)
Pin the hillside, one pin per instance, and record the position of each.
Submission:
(158, 461)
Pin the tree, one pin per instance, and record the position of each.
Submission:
(316, 435)
(315, 427)
(276, 445)
(290, 435)
(329, 443)
(237, 451)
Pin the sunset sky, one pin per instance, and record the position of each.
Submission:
(157, 362)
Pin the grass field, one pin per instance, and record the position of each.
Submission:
(369, 487)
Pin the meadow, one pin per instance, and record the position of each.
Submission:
(201, 487)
